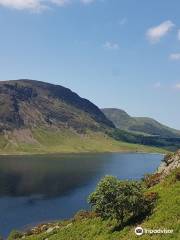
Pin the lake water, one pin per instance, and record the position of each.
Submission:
(37, 189)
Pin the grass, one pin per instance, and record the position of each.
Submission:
(166, 215)
(66, 141)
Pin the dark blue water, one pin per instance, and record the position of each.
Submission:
(37, 189)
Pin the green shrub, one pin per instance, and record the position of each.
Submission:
(147, 205)
(15, 235)
(119, 200)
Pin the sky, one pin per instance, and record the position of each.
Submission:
(116, 53)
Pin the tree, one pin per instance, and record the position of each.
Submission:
(117, 199)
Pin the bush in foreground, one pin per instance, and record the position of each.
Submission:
(121, 200)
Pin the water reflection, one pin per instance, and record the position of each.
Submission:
(47, 176)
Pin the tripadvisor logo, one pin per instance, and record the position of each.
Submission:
(139, 231)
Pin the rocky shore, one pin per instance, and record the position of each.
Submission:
(171, 161)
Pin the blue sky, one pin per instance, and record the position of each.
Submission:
(116, 53)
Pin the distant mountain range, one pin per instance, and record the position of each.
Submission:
(139, 125)
(38, 117)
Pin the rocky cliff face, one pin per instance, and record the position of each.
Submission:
(27, 103)
(171, 161)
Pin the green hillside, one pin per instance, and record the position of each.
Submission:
(86, 226)
(42, 141)
(38, 117)
(142, 125)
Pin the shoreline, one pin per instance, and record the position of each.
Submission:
(76, 153)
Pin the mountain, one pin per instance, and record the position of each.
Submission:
(38, 117)
(41, 117)
(27, 103)
(139, 125)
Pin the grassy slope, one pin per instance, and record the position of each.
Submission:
(166, 215)
(66, 141)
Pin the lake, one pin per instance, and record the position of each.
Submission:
(44, 188)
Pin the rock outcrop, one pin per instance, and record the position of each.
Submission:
(171, 161)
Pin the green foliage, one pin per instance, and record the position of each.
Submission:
(15, 235)
(168, 143)
(148, 203)
(115, 199)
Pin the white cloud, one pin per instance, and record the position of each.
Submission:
(174, 56)
(23, 4)
(38, 5)
(111, 46)
(154, 34)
